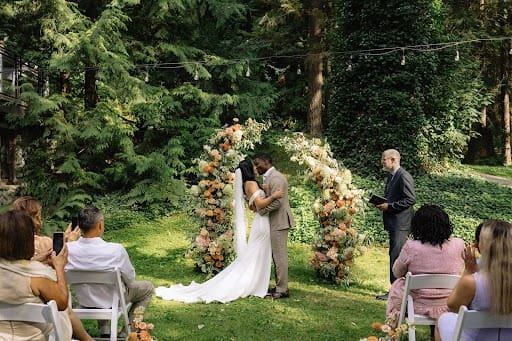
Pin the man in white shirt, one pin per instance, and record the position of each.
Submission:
(91, 252)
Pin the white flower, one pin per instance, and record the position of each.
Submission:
(194, 190)
(228, 189)
(238, 135)
(310, 162)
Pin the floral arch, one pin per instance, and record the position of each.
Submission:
(336, 243)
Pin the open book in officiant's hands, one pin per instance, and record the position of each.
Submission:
(376, 199)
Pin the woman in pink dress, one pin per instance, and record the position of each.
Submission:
(431, 251)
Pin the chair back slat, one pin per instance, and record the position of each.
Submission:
(422, 281)
(119, 306)
(479, 319)
(36, 313)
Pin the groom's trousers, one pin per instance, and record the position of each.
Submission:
(279, 242)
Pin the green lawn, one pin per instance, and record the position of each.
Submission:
(315, 310)
(505, 172)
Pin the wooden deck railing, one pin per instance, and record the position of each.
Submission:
(14, 72)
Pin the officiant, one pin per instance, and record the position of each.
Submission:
(397, 211)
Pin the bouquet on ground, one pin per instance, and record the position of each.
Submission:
(391, 331)
(139, 328)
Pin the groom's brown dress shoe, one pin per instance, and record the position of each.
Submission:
(276, 295)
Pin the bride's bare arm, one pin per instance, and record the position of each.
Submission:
(259, 202)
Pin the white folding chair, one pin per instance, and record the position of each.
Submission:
(119, 306)
(424, 281)
(34, 312)
(479, 319)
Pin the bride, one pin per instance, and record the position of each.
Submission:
(249, 273)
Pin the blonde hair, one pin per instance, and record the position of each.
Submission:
(497, 264)
(32, 207)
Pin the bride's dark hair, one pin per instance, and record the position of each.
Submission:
(247, 169)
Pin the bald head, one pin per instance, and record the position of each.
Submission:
(392, 153)
(390, 160)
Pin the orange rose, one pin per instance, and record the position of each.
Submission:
(376, 325)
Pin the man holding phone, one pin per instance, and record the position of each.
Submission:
(91, 252)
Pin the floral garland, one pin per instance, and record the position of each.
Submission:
(337, 242)
(212, 248)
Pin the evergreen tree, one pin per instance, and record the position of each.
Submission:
(386, 95)
(145, 84)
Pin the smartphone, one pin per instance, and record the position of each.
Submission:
(74, 222)
(58, 241)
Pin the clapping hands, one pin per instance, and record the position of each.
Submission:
(470, 257)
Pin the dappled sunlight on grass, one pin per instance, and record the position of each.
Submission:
(315, 310)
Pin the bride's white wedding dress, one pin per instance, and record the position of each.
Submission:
(247, 275)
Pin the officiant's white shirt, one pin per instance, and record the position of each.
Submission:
(97, 254)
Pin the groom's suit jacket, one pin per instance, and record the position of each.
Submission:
(279, 211)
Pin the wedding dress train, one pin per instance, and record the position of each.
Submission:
(247, 275)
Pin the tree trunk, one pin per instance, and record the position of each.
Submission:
(64, 83)
(91, 92)
(483, 116)
(506, 127)
(314, 65)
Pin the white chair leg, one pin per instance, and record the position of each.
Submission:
(412, 334)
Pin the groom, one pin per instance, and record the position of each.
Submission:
(281, 219)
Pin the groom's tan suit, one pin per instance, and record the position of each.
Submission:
(281, 219)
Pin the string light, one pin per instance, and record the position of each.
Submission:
(510, 52)
(430, 47)
(46, 91)
(403, 57)
(299, 71)
(196, 72)
(248, 71)
(457, 56)
(146, 78)
(349, 66)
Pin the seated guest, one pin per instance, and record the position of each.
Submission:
(487, 286)
(43, 249)
(91, 252)
(32, 207)
(28, 281)
(431, 251)
(43, 244)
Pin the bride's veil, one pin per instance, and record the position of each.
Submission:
(240, 239)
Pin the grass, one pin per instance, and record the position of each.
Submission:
(503, 171)
(315, 310)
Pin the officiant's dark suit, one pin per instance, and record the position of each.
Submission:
(397, 212)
